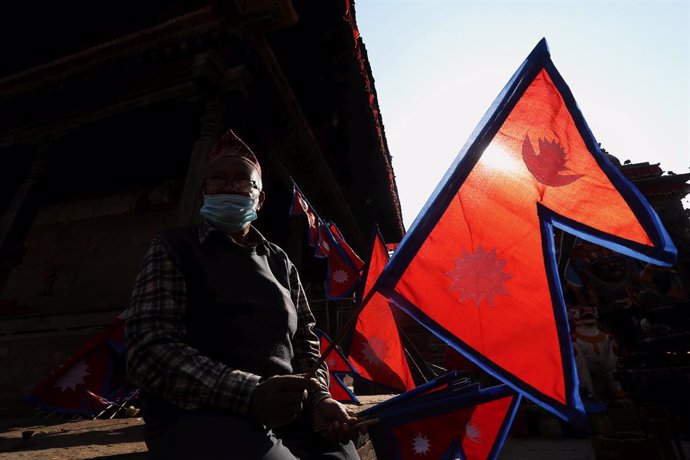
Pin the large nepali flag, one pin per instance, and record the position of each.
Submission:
(91, 380)
(477, 267)
(376, 350)
(470, 424)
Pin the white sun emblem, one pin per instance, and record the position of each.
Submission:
(375, 350)
(479, 276)
(421, 444)
(473, 432)
(74, 377)
(340, 276)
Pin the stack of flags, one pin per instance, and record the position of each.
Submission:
(446, 418)
(344, 267)
(478, 270)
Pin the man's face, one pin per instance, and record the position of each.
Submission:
(235, 177)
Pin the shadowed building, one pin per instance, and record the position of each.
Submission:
(107, 114)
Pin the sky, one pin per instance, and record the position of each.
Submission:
(439, 64)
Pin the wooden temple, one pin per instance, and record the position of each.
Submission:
(108, 112)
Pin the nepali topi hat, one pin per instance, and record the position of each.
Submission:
(231, 146)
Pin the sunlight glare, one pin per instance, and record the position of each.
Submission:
(498, 159)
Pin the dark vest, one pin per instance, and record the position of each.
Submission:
(239, 309)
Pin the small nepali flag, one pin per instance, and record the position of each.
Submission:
(376, 350)
(445, 424)
(342, 278)
(338, 365)
(97, 368)
(344, 266)
(478, 266)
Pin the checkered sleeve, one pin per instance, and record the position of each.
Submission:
(306, 342)
(159, 360)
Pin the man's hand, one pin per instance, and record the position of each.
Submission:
(277, 400)
(334, 421)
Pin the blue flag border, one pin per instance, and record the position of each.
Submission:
(352, 371)
(337, 376)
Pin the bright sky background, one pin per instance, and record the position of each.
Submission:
(438, 66)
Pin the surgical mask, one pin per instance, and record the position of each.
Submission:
(229, 213)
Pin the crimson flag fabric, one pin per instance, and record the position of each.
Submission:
(336, 360)
(376, 350)
(339, 391)
(342, 277)
(97, 369)
(344, 266)
(300, 205)
(466, 425)
(338, 365)
(338, 237)
(477, 267)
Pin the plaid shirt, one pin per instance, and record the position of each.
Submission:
(159, 360)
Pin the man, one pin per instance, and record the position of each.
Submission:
(220, 336)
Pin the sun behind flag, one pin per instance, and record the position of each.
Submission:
(477, 267)
(376, 350)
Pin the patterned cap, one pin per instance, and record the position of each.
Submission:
(231, 146)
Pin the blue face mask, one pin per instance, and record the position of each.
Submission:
(229, 213)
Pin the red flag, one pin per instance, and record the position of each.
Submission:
(96, 368)
(339, 391)
(475, 427)
(471, 426)
(337, 365)
(354, 258)
(342, 277)
(336, 360)
(477, 267)
(344, 266)
(376, 351)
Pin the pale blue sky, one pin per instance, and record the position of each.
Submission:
(438, 66)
